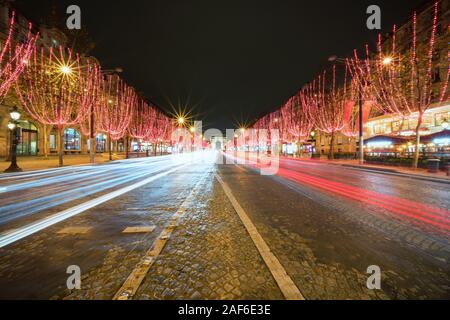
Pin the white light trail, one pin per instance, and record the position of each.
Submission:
(18, 209)
(32, 228)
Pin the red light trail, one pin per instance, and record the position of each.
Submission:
(414, 211)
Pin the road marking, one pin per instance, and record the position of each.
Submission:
(284, 281)
(241, 168)
(75, 230)
(147, 229)
(134, 280)
(42, 224)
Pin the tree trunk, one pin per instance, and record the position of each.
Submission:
(299, 150)
(110, 147)
(331, 151)
(92, 138)
(92, 149)
(60, 145)
(45, 141)
(127, 147)
(417, 150)
(352, 142)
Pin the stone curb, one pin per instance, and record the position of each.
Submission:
(394, 172)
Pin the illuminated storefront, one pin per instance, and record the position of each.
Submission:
(72, 140)
(390, 135)
(28, 139)
(434, 120)
(100, 143)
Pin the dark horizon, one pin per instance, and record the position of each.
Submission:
(231, 62)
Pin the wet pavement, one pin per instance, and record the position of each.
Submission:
(326, 238)
(325, 224)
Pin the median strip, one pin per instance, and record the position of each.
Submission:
(134, 280)
(283, 280)
(146, 229)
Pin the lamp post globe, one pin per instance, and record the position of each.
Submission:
(13, 127)
(15, 114)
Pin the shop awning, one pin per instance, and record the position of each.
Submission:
(442, 137)
(385, 140)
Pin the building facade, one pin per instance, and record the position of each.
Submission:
(31, 137)
(31, 132)
(394, 130)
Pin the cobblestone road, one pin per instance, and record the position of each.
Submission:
(211, 256)
(324, 242)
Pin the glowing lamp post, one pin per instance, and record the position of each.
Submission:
(13, 127)
(65, 70)
(387, 61)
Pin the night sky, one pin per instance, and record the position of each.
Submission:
(232, 61)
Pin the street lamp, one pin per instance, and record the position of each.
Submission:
(13, 127)
(387, 61)
(15, 115)
(181, 121)
(66, 70)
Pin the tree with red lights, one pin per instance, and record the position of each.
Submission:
(14, 57)
(325, 105)
(296, 121)
(160, 129)
(142, 121)
(263, 127)
(276, 131)
(56, 90)
(403, 84)
(114, 109)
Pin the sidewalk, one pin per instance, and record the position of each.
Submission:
(442, 175)
(39, 163)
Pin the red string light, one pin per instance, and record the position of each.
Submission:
(14, 57)
(54, 89)
(115, 106)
